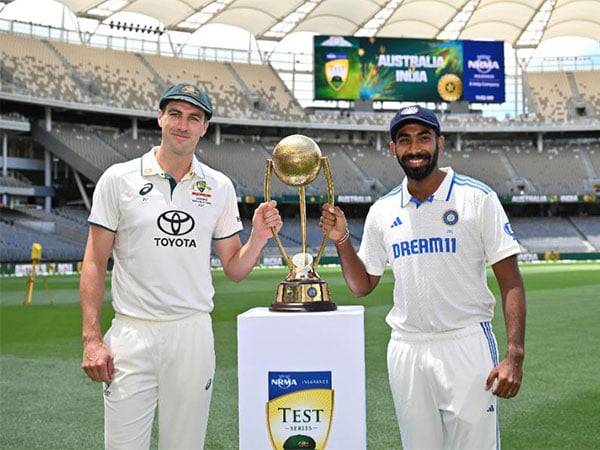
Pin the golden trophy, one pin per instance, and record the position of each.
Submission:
(297, 161)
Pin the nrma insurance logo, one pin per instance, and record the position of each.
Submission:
(299, 410)
(483, 64)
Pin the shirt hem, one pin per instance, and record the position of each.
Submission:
(505, 254)
(101, 226)
(225, 237)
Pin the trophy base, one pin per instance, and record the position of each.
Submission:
(303, 296)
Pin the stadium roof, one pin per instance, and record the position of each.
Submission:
(522, 23)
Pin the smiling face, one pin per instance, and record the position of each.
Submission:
(182, 124)
(417, 148)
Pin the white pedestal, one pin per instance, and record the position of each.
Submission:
(296, 360)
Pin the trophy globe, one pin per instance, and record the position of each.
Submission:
(297, 161)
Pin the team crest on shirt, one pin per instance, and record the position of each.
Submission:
(201, 193)
(450, 217)
(201, 185)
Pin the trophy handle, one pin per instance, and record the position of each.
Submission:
(330, 199)
(267, 191)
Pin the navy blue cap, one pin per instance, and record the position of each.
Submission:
(188, 93)
(412, 114)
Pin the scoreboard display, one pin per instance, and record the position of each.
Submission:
(398, 69)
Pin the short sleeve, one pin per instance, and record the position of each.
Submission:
(105, 202)
(499, 239)
(229, 223)
(372, 249)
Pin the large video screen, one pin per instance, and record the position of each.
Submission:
(394, 69)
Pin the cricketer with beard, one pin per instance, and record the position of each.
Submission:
(437, 230)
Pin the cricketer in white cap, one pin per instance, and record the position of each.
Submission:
(157, 215)
(437, 230)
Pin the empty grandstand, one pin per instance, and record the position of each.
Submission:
(19, 230)
(72, 104)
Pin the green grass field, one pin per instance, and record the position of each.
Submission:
(47, 402)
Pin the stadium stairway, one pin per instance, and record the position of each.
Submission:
(515, 179)
(87, 86)
(572, 84)
(361, 173)
(76, 158)
(255, 101)
(112, 143)
(64, 152)
(293, 98)
(590, 247)
(162, 83)
(529, 98)
(592, 177)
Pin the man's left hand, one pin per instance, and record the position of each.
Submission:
(508, 375)
(266, 216)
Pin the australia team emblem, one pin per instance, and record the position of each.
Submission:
(336, 70)
(201, 193)
(300, 409)
(191, 90)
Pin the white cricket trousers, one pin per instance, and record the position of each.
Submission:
(169, 365)
(438, 385)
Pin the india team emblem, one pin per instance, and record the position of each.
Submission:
(450, 217)
(299, 410)
(336, 70)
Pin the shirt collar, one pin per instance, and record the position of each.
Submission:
(442, 193)
(150, 166)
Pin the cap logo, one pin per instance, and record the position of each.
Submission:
(409, 110)
(189, 90)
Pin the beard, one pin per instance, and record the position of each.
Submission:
(419, 173)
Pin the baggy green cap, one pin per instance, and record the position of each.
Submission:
(299, 442)
(188, 93)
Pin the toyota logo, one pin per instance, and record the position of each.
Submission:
(175, 223)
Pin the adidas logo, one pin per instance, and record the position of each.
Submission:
(490, 409)
(396, 222)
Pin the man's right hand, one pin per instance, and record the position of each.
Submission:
(333, 221)
(98, 361)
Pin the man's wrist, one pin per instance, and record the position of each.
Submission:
(343, 239)
(515, 354)
(91, 338)
(256, 240)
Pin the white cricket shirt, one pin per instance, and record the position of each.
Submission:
(163, 234)
(437, 250)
